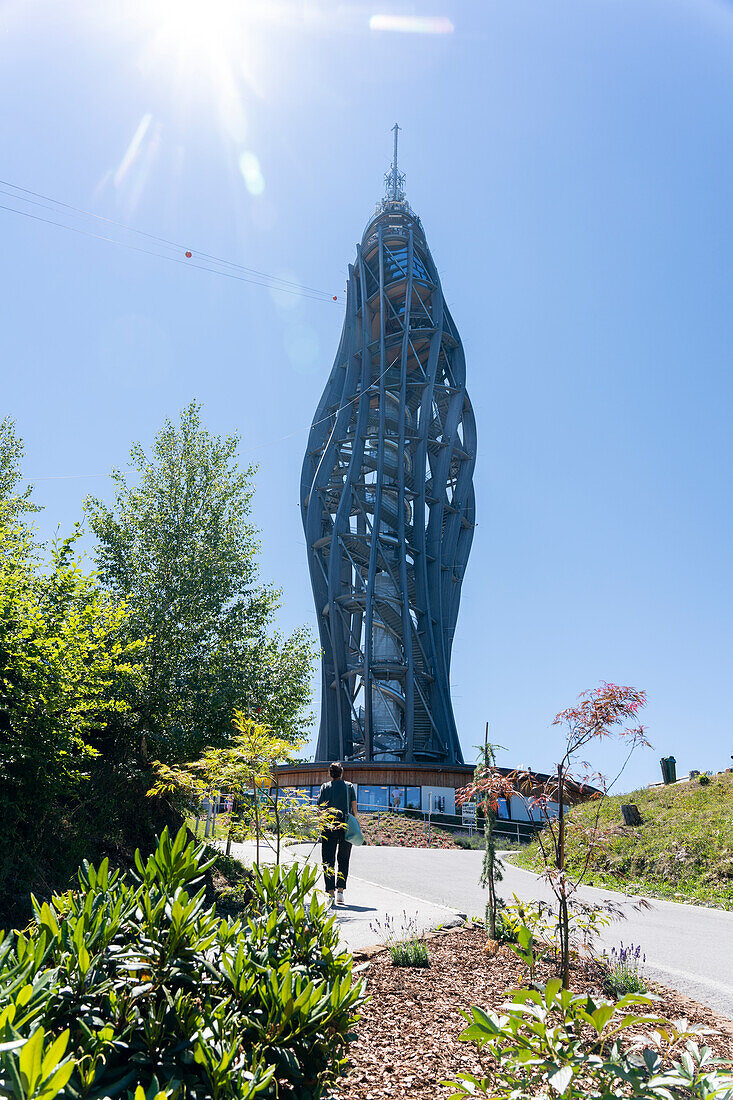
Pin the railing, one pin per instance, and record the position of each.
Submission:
(521, 831)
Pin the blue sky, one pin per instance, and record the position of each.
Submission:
(572, 165)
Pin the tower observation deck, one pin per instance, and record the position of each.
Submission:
(387, 502)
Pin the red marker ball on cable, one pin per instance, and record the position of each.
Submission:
(188, 255)
(335, 298)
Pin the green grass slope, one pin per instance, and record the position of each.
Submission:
(683, 851)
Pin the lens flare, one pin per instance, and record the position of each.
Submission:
(249, 166)
(412, 24)
(132, 152)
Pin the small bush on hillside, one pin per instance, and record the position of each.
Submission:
(229, 884)
(468, 843)
(132, 987)
(477, 842)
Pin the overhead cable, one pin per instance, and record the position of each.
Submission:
(239, 272)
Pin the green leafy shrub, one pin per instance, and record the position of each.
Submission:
(130, 986)
(538, 916)
(67, 676)
(505, 922)
(704, 780)
(554, 1043)
(528, 949)
(542, 929)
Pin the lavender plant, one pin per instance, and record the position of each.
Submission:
(623, 970)
(402, 939)
(410, 953)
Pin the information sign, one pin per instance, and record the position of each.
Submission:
(468, 813)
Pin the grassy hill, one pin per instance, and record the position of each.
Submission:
(683, 851)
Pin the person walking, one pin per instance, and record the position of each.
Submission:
(340, 798)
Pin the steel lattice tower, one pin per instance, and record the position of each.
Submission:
(388, 504)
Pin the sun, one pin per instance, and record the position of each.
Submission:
(200, 34)
(216, 64)
(218, 48)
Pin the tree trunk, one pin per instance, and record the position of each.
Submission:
(564, 915)
(257, 824)
(277, 822)
(232, 819)
(491, 858)
(492, 909)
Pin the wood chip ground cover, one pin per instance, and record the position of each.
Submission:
(403, 832)
(407, 1040)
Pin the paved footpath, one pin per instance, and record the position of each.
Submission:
(688, 947)
(369, 907)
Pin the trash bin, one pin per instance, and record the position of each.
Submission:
(669, 769)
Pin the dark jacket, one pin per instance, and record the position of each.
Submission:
(337, 794)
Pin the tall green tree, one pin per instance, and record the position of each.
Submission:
(178, 544)
(66, 671)
(15, 498)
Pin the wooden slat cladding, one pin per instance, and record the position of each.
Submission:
(449, 776)
(426, 775)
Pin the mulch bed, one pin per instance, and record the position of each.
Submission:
(397, 831)
(407, 1040)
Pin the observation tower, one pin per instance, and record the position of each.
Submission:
(387, 503)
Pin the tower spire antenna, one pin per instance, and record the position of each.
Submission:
(395, 180)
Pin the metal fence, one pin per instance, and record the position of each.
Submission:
(520, 831)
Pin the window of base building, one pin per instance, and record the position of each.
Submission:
(405, 798)
(372, 797)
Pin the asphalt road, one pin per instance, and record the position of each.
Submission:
(687, 947)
